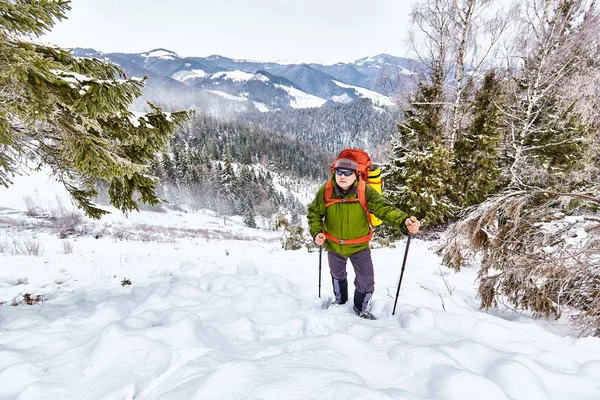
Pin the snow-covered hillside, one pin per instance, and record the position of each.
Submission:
(378, 99)
(215, 310)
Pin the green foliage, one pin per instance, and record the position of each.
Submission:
(16, 18)
(427, 185)
(423, 121)
(418, 176)
(559, 144)
(73, 114)
(477, 151)
(294, 237)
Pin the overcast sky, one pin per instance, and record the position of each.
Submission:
(324, 31)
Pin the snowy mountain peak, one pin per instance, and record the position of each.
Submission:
(378, 60)
(161, 53)
(215, 57)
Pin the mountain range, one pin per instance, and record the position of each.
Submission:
(225, 84)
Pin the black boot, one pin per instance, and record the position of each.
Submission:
(361, 304)
(340, 290)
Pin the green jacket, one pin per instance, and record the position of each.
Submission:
(349, 220)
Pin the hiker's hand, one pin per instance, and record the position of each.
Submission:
(412, 225)
(320, 239)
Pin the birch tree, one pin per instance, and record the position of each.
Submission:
(477, 34)
(457, 37)
(552, 118)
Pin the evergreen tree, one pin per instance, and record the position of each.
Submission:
(209, 189)
(228, 183)
(194, 173)
(246, 180)
(477, 151)
(72, 114)
(181, 164)
(418, 174)
(170, 174)
(155, 167)
(521, 235)
(249, 215)
(560, 144)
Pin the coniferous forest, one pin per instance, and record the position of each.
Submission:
(358, 124)
(198, 168)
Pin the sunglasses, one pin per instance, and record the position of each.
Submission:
(344, 172)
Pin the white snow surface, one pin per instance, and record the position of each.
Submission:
(302, 99)
(236, 76)
(220, 311)
(184, 75)
(228, 96)
(262, 107)
(377, 98)
(370, 59)
(344, 98)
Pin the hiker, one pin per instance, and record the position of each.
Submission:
(340, 223)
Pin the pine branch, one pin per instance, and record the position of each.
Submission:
(579, 195)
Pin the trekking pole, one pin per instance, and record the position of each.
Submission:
(401, 273)
(320, 253)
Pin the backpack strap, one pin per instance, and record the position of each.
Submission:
(361, 192)
(360, 197)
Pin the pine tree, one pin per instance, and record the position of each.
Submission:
(170, 174)
(249, 214)
(155, 167)
(194, 173)
(418, 174)
(72, 114)
(477, 152)
(181, 163)
(228, 184)
(209, 188)
(560, 144)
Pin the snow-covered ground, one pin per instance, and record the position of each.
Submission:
(219, 311)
